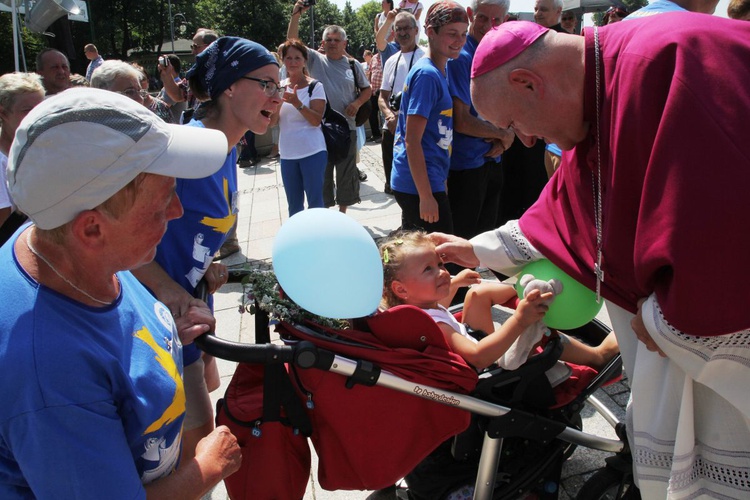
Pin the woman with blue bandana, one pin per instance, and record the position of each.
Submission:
(236, 81)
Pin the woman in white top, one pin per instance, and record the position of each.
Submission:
(301, 143)
(387, 6)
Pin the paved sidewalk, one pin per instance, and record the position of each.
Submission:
(263, 209)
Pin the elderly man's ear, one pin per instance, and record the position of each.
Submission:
(526, 80)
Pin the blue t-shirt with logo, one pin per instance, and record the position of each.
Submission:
(92, 397)
(468, 151)
(190, 243)
(425, 94)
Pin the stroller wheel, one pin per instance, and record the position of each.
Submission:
(609, 484)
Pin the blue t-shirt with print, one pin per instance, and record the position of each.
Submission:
(468, 151)
(653, 8)
(93, 399)
(190, 243)
(425, 94)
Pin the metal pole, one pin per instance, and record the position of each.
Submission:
(16, 31)
(312, 28)
(171, 25)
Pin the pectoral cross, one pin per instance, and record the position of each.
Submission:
(599, 272)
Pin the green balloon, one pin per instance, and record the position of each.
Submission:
(574, 307)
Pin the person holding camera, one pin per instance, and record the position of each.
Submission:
(341, 79)
(396, 68)
(424, 134)
(175, 90)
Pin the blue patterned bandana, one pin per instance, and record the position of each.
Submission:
(226, 60)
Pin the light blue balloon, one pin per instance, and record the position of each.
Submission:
(328, 264)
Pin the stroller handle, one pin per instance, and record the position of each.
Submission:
(265, 354)
(303, 354)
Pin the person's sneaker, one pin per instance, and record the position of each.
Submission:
(362, 176)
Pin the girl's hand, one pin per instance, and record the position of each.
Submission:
(428, 209)
(216, 276)
(466, 277)
(532, 308)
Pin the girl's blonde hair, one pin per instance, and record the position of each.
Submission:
(393, 250)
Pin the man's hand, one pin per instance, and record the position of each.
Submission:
(196, 321)
(166, 72)
(218, 454)
(642, 333)
(497, 148)
(391, 122)
(351, 109)
(300, 7)
(454, 249)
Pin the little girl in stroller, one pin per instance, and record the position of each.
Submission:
(414, 274)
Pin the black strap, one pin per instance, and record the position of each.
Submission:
(278, 390)
(310, 91)
(354, 74)
(395, 70)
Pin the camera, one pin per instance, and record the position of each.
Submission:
(395, 101)
(308, 3)
(164, 61)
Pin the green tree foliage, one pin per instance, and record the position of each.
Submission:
(134, 29)
(322, 14)
(360, 27)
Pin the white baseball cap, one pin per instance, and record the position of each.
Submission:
(78, 148)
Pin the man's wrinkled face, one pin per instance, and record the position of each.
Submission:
(531, 114)
(546, 14)
(55, 72)
(486, 17)
(335, 45)
(405, 33)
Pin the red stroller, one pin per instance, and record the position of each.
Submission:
(380, 403)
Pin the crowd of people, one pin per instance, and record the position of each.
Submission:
(507, 141)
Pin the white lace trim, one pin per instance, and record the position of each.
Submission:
(732, 346)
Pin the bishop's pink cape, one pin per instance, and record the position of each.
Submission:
(675, 150)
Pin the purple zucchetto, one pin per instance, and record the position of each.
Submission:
(503, 43)
(226, 60)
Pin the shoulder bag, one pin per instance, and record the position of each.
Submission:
(363, 113)
(335, 129)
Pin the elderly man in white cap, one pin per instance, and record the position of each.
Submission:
(93, 398)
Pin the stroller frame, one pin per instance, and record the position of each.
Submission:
(306, 355)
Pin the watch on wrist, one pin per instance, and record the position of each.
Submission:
(299, 108)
